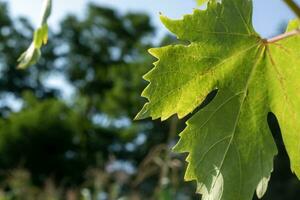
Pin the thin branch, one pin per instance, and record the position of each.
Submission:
(283, 36)
(293, 6)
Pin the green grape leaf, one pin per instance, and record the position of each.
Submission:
(40, 38)
(229, 144)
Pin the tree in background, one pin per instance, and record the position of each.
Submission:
(88, 140)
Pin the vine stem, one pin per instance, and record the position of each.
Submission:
(293, 6)
(283, 36)
(296, 9)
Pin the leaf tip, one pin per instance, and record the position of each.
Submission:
(154, 52)
(262, 187)
(165, 20)
(143, 114)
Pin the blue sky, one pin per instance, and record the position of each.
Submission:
(268, 14)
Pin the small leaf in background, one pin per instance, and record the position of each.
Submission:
(30, 57)
(40, 38)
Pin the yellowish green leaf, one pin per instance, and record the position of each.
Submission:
(229, 144)
(40, 38)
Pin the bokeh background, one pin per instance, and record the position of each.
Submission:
(66, 128)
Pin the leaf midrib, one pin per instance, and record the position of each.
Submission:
(238, 117)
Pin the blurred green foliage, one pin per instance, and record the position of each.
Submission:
(86, 145)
